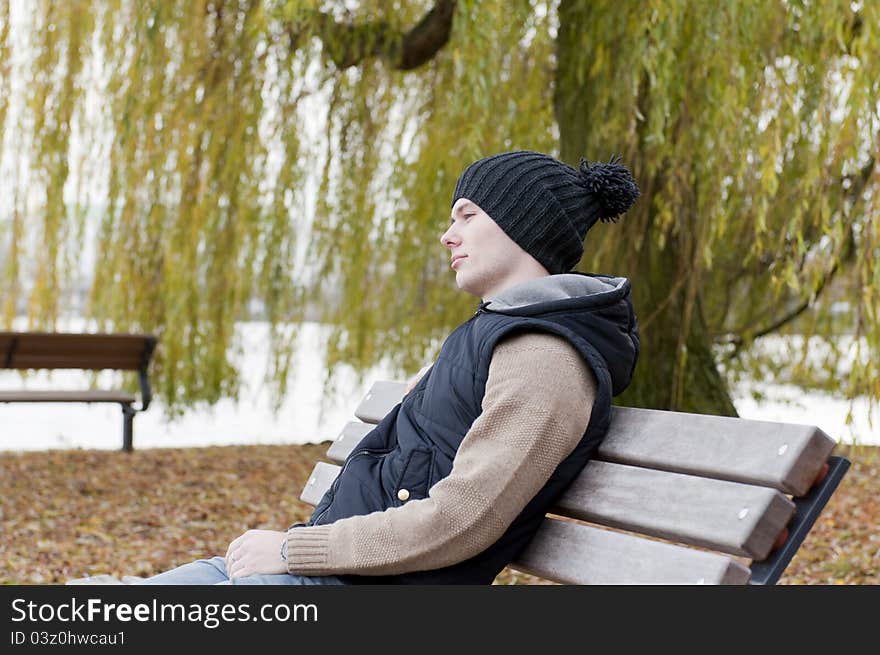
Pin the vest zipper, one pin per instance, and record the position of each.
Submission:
(366, 451)
(482, 308)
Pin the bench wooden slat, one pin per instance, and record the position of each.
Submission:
(87, 396)
(82, 343)
(63, 344)
(380, 399)
(116, 339)
(571, 553)
(732, 517)
(319, 481)
(784, 456)
(77, 361)
(26, 350)
(350, 437)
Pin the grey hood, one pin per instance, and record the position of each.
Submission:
(597, 307)
(552, 287)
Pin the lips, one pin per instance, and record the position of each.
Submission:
(456, 259)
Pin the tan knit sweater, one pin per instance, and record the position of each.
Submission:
(539, 395)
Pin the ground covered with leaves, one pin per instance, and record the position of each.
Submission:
(71, 513)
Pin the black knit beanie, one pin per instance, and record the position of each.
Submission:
(545, 205)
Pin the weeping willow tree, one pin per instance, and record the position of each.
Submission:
(293, 155)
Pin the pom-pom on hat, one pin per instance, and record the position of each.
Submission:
(545, 205)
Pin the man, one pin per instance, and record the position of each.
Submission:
(453, 483)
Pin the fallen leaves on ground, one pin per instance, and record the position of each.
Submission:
(70, 513)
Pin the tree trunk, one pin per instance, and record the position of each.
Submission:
(672, 372)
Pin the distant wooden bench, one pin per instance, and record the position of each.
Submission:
(736, 496)
(59, 350)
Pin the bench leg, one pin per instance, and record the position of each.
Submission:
(127, 427)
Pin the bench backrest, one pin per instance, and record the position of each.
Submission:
(48, 350)
(703, 482)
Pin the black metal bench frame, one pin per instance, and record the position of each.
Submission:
(807, 510)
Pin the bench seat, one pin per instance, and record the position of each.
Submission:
(670, 497)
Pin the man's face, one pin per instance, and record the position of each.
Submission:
(485, 259)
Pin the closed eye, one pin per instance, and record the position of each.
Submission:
(464, 217)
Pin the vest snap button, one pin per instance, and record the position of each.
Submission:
(403, 494)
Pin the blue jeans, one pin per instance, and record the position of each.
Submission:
(213, 571)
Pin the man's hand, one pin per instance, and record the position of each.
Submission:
(256, 552)
(414, 380)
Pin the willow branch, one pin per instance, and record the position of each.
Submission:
(738, 342)
(858, 183)
(348, 44)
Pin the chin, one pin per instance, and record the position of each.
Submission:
(468, 286)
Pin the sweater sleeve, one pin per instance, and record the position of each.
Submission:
(536, 407)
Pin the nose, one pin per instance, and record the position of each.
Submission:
(449, 238)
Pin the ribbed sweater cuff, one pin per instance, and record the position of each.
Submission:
(307, 550)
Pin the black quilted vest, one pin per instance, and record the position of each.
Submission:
(414, 445)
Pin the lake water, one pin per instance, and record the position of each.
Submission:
(301, 419)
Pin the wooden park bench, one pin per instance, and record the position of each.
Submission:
(670, 498)
(58, 350)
